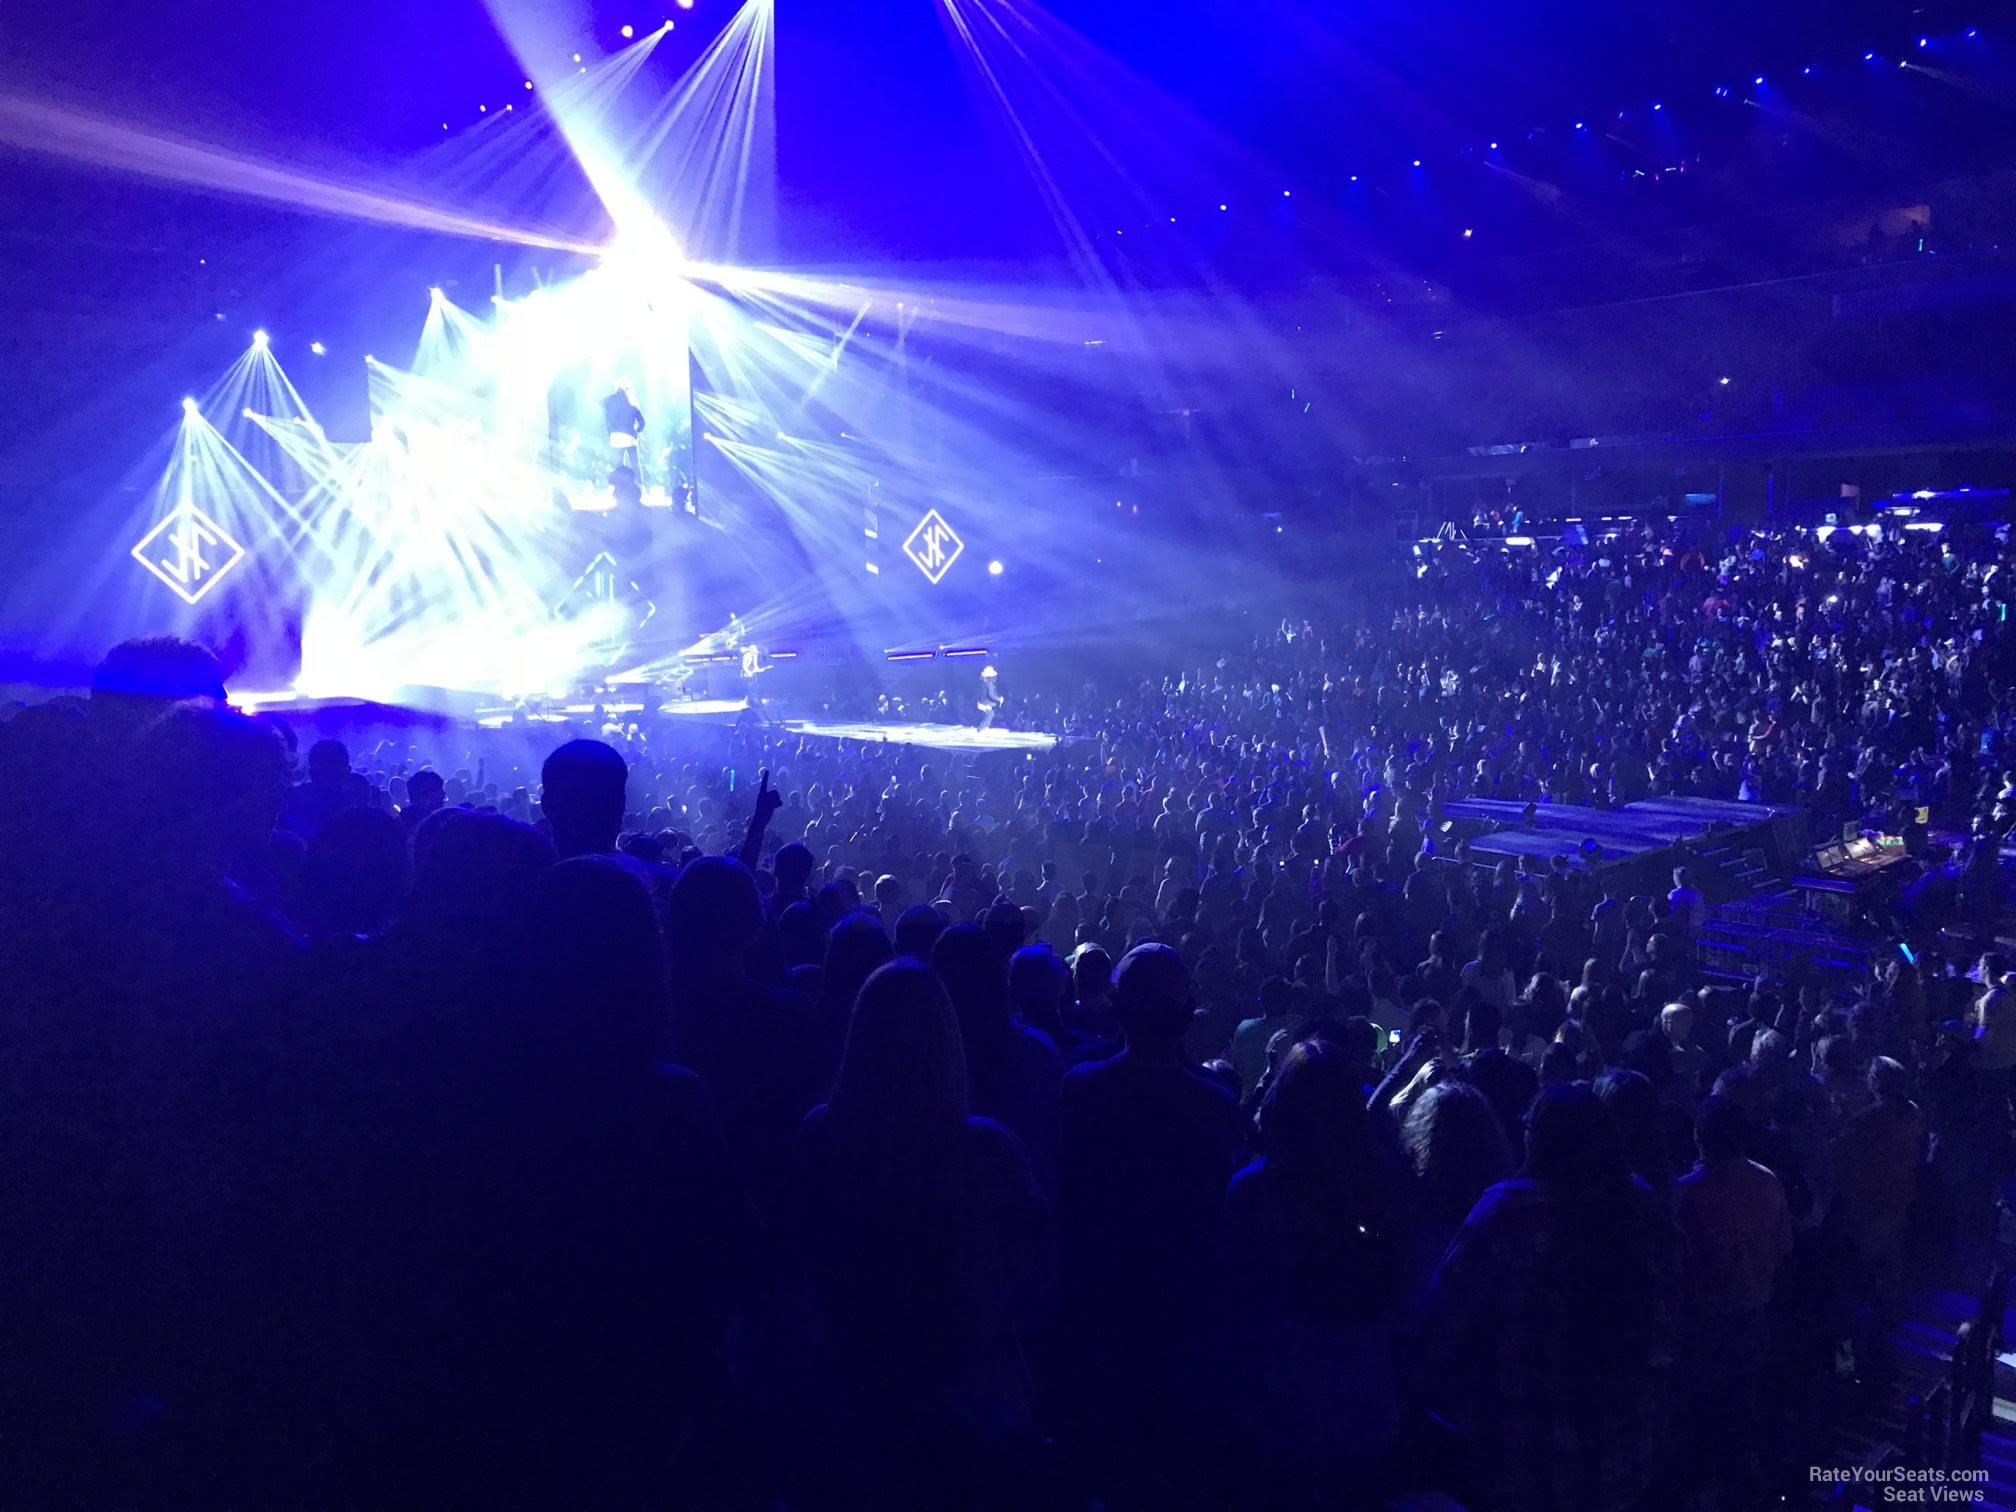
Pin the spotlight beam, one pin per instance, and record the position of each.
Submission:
(55, 131)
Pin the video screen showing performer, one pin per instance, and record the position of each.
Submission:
(624, 423)
(620, 414)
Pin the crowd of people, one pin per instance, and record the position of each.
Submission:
(1179, 1117)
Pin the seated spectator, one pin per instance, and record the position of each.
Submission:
(792, 866)
(1685, 904)
(1491, 972)
(922, 1222)
(1146, 1146)
(1738, 1232)
(917, 930)
(758, 1047)
(1015, 1071)
(357, 870)
(1039, 987)
(889, 901)
(425, 795)
(1456, 1148)
(854, 948)
(140, 680)
(328, 789)
(1312, 1230)
(1676, 1022)
(1251, 1039)
(1560, 1296)
(1876, 1164)
(1093, 1029)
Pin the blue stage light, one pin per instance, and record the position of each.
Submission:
(1466, 233)
(317, 348)
(1869, 57)
(1222, 207)
(1284, 194)
(1581, 126)
(1494, 145)
(629, 32)
(995, 569)
(259, 340)
(188, 405)
(1417, 162)
(1924, 41)
(1657, 106)
(1807, 70)
(1759, 81)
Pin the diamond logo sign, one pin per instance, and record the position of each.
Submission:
(189, 552)
(933, 546)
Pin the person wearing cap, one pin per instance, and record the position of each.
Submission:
(1146, 1145)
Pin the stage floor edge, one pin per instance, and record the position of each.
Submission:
(937, 737)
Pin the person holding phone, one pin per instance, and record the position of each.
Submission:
(1251, 1039)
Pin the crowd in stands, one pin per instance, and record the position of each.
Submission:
(1175, 1118)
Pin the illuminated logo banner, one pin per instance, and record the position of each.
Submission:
(188, 551)
(933, 546)
(598, 592)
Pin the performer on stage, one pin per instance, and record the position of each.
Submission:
(752, 672)
(990, 697)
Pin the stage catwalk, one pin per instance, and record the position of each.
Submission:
(938, 737)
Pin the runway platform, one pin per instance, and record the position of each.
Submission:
(963, 739)
(434, 709)
(1497, 827)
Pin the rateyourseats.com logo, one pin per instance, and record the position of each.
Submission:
(1903, 1486)
(188, 551)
